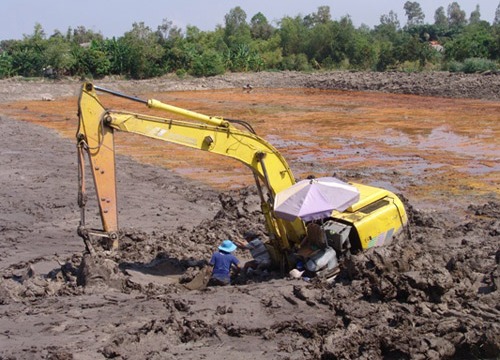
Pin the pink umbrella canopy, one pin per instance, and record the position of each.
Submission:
(314, 199)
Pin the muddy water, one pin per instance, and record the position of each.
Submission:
(427, 148)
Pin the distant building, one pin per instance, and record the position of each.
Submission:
(436, 46)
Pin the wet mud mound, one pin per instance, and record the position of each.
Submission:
(180, 255)
(443, 84)
(434, 296)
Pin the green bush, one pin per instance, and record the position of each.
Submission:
(209, 63)
(474, 65)
(410, 66)
(181, 73)
(453, 66)
(92, 62)
(6, 69)
(295, 62)
(471, 65)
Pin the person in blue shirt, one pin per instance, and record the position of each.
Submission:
(222, 262)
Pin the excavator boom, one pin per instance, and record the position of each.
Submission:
(212, 134)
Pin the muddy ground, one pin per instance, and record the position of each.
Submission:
(434, 296)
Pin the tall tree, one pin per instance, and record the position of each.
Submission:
(496, 21)
(92, 61)
(293, 34)
(260, 27)
(236, 29)
(168, 31)
(6, 69)
(359, 46)
(390, 19)
(440, 18)
(475, 16)
(496, 34)
(28, 55)
(38, 33)
(389, 27)
(57, 56)
(323, 41)
(414, 13)
(456, 16)
(387, 34)
(321, 16)
(81, 35)
(144, 53)
(474, 41)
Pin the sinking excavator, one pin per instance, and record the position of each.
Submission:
(374, 220)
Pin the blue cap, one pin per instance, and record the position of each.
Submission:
(227, 246)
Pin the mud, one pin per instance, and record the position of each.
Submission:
(433, 295)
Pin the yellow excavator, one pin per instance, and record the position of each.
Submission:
(374, 220)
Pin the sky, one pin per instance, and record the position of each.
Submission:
(115, 17)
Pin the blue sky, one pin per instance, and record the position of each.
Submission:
(115, 17)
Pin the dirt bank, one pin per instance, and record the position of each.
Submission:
(475, 86)
(434, 296)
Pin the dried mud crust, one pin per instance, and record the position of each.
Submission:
(432, 296)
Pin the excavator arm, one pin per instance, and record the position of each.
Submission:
(95, 139)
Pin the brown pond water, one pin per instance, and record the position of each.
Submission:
(424, 147)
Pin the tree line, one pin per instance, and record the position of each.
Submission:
(453, 41)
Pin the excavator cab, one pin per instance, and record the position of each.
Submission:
(375, 220)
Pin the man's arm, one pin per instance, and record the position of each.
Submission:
(236, 264)
(212, 260)
(242, 244)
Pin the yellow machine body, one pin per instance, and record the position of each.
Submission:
(376, 218)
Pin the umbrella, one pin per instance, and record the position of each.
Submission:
(314, 199)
